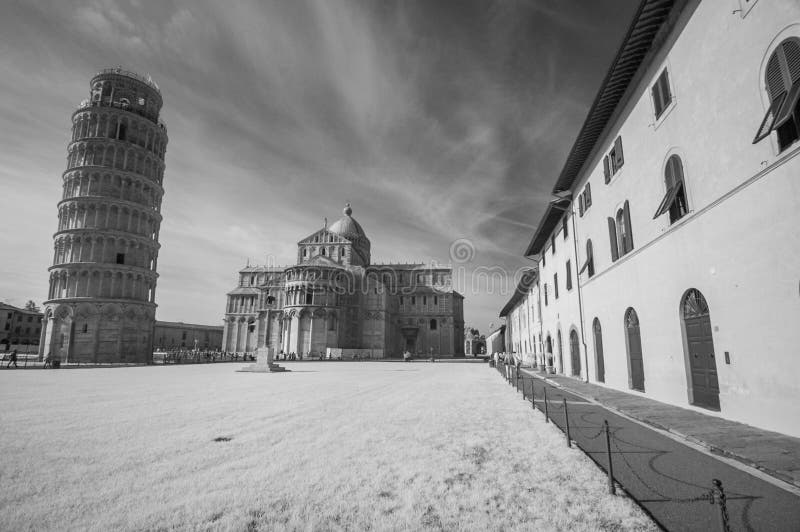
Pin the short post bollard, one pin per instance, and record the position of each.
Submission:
(533, 395)
(611, 489)
(718, 498)
(566, 423)
(546, 412)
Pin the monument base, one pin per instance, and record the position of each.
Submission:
(264, 363)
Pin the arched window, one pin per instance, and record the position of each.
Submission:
(674, 200)
(433, 324)
(620, 233)
(783, 87)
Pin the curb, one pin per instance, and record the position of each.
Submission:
(794, 484)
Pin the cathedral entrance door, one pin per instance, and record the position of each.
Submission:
(410, 336)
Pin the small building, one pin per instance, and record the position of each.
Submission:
(19, 328)
(496, 341)
(474, 343)
(170, 335)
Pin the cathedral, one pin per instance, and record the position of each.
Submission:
(335, 303)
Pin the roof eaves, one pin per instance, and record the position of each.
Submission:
(646, 23)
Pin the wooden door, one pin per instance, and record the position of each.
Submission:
(700, 343)
(598, 351)
(575, 353)
(635, 359)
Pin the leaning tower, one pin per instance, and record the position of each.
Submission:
(101, 304)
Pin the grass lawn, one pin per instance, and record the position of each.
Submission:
(329, 446)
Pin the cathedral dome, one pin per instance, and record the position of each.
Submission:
(346, 226)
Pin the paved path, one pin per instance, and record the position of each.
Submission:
(775, 454)
(670, 480)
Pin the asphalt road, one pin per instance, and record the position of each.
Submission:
(670, 480)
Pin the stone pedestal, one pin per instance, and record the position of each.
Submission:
(264, 363)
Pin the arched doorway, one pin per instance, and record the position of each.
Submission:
(700, 350)
(635, 360)
(549, 350)
(560, 352)
(575, 353)
(598, 351)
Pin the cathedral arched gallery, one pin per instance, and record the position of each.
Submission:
(335, 301)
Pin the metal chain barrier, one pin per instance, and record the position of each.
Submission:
(716, 495)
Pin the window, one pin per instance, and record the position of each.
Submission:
(123, 130)
(413, 300)
(616, 157)
(620, 233)
(674, 200)
(309, 298)
(783, 88)
(424, 300)
(580, 205)
(661, 93)
(555, 285)
(587, 193)
(544, 260)
(569, 275)
(606, 169)
(435, 300)
(553, 243)
(545, 294)
(433, 325)
(589, 264)
(120, 258)
(564, 227)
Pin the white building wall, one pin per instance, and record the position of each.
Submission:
(739, 245)
(562, 313)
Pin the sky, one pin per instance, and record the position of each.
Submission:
(445, 124)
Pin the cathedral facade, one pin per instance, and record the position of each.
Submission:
(335, 302)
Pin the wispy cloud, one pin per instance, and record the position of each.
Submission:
(438, 120)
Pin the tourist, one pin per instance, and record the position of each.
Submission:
(406, 356)
(47, 361)
(12, 358)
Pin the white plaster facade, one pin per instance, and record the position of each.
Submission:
(738, 244)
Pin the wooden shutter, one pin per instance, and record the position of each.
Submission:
(787, 109)
(628, 229)
(612, 236)
(619, 159)
(768, 123)
(791, 54)
(656, 91)
(606, 169)
(666, 95)
(588, 194)
(580, 205)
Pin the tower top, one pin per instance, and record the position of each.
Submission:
(347, 210)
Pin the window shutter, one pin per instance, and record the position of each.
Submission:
(775, 83)
(788, 106)
(588, 194)
(666, 96)
(629, 230)
(606, 169)
(791, 53)
(612, 235)
(619, 160)
(768, 123)
(580, 205)
(656, 90)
